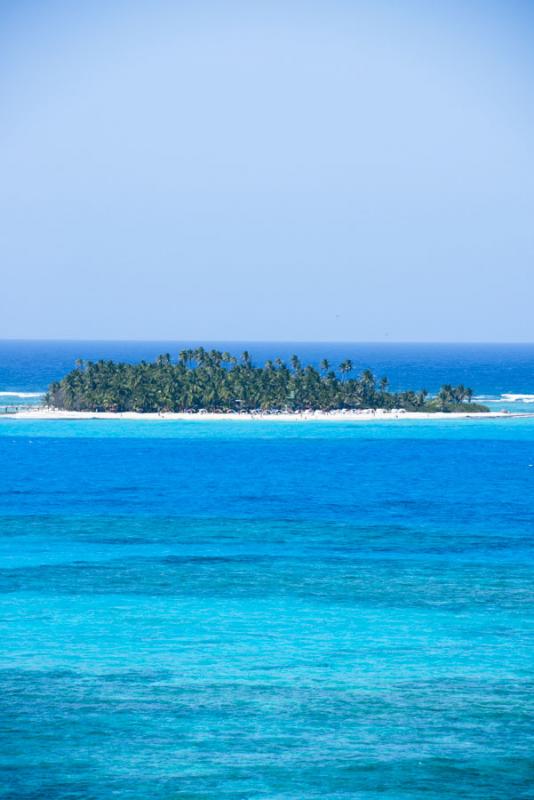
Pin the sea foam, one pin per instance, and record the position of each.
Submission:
(21, 394)
(518, 398)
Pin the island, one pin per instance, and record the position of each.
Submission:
(218, 382)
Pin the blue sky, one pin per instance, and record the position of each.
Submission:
(356, 171)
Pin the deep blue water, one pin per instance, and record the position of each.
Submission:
(490, 369)
(232, 609)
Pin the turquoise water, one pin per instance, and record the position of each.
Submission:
(267, 610)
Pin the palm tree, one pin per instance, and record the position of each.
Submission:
(421, 397)
(446, 396)
(346, 367)
(459, 393)
(218, 381)
(295, 363)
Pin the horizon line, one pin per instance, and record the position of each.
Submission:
(268, 341)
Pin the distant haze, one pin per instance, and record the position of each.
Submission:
(354, 171)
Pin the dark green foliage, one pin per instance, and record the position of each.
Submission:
(217, 381)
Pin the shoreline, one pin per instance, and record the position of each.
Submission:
(367, 415)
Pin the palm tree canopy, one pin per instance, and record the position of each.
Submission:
(217, 381)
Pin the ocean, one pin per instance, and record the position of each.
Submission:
(195, 610)
(492, 370)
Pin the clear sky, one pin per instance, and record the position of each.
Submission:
(356, 171)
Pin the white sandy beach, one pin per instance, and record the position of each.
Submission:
(305, 416)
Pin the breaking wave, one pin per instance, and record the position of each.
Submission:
(22, 394)
(518, 398)
(507, 397)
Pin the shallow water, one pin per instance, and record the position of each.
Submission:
(266, 610)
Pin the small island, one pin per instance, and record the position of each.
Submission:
(214, 381)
